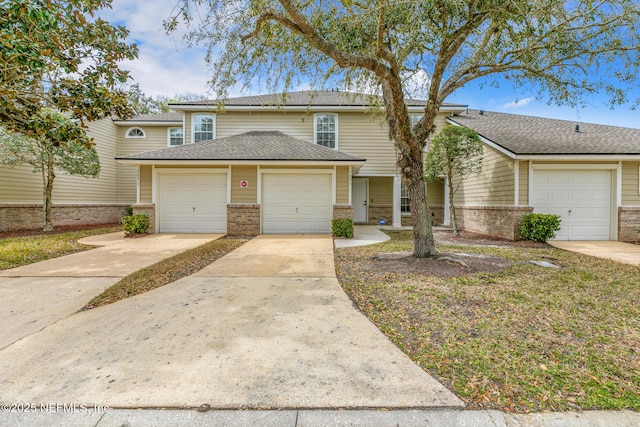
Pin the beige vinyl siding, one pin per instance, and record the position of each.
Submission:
(342, 185)
(523, 184)
(127, 175)
(630, 190)
(494, 186)
(381, 190)
(435, 194)
(296, 124)
(146, 183)
(20, 185)
(244, 195)
(366, 136)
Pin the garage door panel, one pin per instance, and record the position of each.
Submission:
(296, 203)
(582, 199)
(192, 203)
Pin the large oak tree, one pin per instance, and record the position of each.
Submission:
(56, 54)
(564, 49)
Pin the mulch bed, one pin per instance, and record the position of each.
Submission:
(444, 265)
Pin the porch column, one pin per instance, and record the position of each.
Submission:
(447, 211)
(397, 190)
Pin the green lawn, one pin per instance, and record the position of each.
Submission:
(17, 251)
(525, 339)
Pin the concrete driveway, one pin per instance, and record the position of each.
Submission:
(627, 253)
(36, 295)
(267, 326)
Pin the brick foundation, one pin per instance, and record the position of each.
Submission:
(15, 217)
(496, 221)
(147, 209)
(628, 223)
(380, 211)
(343, 211)
(243, 219)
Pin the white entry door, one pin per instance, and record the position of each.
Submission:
(359, 196)
(192, 203)
(582, 198)
(296, 203)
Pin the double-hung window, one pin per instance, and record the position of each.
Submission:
(203, 127)
(176, 136)
(326, 130)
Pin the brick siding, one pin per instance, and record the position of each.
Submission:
(628, 223)
(31, 216)
(497, 221)
(343, 211)
(243, 219)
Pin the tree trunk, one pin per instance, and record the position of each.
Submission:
(454, 219)
(424, 245)
(48, 175)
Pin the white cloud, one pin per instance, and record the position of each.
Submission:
(518, 103)
(165, 64)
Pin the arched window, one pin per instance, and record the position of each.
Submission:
(135, 133)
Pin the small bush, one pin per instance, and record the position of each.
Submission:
(539, 227)
(135, 224)
(128, 210)
(342, 227)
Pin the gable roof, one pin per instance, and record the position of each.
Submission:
(308, 98)
(536, 135)
(250, 146)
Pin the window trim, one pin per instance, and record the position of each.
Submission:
(315, 128)
(129, 130)
(193, 125)
(169, 136)
(406, 190)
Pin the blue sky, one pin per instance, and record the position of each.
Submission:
(167, 66)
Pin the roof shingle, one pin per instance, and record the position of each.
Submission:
(537, 135)
(250, 146)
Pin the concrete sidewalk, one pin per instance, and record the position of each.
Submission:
(627, 253)
(363, 235)
(37, 295)
(105, 417)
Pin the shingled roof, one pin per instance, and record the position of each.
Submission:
(537, 135)
(250, 146)
(309, 98)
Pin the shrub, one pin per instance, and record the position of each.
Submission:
(135, 224)
(128, 210)
(342, 227)
(539, 227)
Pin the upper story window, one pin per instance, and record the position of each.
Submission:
(326, 130)
(404, 199)
(135, 133)
(176, 136)
(203, 127)
(415, 118)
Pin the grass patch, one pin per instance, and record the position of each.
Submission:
(17, 251)
(525, 339)
(166, 271)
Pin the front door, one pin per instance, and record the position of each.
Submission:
(360, 187)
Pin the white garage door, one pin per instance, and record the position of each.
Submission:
(582, 198)
(192, 203)
(296, 203)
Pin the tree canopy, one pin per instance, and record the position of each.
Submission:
(454, 153)
(565, 49)
(145, 104)
(53, 53)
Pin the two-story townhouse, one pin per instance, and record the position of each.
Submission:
(278, 165)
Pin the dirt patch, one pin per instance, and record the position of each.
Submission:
(57, 230)
(444, 265)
